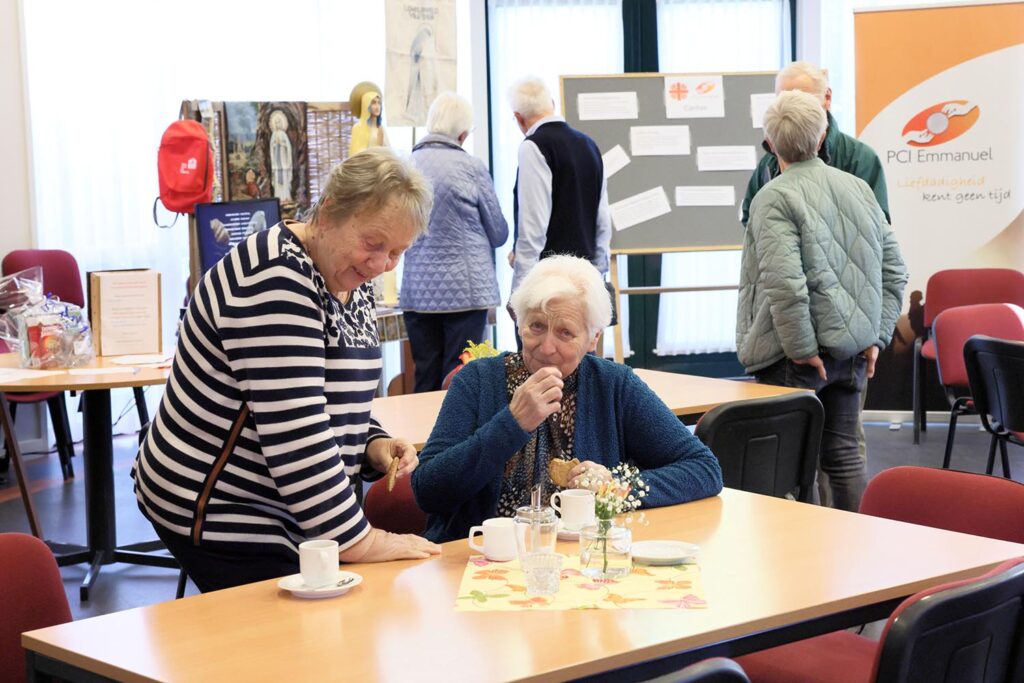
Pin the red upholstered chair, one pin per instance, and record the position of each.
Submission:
(995, 368)
(31, 596)
(951, 330)
(957, 501)
(968, 630)
(447, 381)
(958, 287)
(395, 511)
(61, 278)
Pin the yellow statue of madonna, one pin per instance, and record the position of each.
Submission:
(369, 131)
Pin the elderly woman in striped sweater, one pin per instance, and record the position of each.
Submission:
(266, 416)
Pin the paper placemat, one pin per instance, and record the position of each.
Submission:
(501, 587)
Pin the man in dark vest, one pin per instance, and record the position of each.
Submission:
(561, 202)
(838, 150)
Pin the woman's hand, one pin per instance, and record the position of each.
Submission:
(536, 398)
(380, 453)
(384, 546)
(589, 475)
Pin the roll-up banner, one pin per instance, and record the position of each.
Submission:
(940, 98)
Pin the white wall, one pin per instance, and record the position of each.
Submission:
(16, 225)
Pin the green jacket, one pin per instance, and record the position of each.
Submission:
(821, 269)
(841, 151)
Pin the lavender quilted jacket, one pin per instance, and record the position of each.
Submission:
(451, 268)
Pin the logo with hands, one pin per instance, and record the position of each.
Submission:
(940, 123)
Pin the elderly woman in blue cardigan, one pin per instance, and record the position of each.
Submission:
(505, 418)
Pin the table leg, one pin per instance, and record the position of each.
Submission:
(14, 453)
(98, 453)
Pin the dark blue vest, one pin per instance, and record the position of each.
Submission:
(577, 173)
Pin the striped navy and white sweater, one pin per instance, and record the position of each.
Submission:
(263, 329)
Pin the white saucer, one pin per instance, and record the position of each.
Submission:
(567, 534)
(294, 584)
(663, 552)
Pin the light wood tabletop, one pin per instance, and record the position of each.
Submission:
(766, 563)
(107, 375)
(412, 416)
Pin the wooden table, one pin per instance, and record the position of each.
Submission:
(773, 570)
(98, 453)
(412, 416)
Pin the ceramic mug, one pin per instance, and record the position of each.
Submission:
(576, 506)
(318, 563)
(499, 539)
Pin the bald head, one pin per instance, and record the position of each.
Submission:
(805, 77)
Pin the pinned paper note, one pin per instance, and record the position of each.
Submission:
(607, 106)
(659, 140)
(727, 158)
(639, 208)
(705, 195)
(759, 102)
(694, 97)
(614, 160)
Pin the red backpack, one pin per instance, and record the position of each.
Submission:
(185, 168)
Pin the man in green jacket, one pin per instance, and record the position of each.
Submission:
(821, 285)
(839, 150)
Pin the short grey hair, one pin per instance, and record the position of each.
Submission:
(564, 278)
(370, 181)
(450, 115)
(794, 124)
(817, 76)
(530, 97)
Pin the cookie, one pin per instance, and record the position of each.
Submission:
(559, 471)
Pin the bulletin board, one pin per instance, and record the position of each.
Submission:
(710, 220)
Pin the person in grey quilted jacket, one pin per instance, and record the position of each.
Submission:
(821, 285)
(449, 281)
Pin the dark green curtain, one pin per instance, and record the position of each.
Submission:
(640, 42)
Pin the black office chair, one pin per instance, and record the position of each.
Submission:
(767, 445)
(995, 369)
(715, 670)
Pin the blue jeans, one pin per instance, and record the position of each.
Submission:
(840, 395)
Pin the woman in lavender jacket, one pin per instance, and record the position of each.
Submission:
(449, 281)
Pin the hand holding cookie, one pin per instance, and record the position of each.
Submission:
(560, 471)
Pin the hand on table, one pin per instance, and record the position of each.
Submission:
(380, 453)
(384, 546)
(589, 475)
(537, 398)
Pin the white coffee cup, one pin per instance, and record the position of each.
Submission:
(318, 563)
(499, 539)
(576, 506)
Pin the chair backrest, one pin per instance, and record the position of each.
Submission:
(954, 326)
(714, 670)
(447, 381)
(965, 286)
(970, 630)
(31, 596)
(766, 445)
(977, 504)
(61, 276)
(395, 511)
(995, 368)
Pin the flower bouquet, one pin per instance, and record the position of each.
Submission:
(605, 547)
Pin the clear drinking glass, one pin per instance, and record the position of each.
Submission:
(543, 571)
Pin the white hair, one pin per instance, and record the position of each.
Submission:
(817, 76)
(450, 115)
(530, 97)
(564, 278)
(794, 124)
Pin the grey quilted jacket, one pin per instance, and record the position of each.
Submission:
(451, 268)
(821, 269)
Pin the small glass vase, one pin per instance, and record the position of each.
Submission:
(605, 550)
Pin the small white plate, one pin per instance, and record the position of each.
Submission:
(293, 583)
(567, 534)
(663, 552)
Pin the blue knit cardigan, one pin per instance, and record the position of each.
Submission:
(618, 419)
